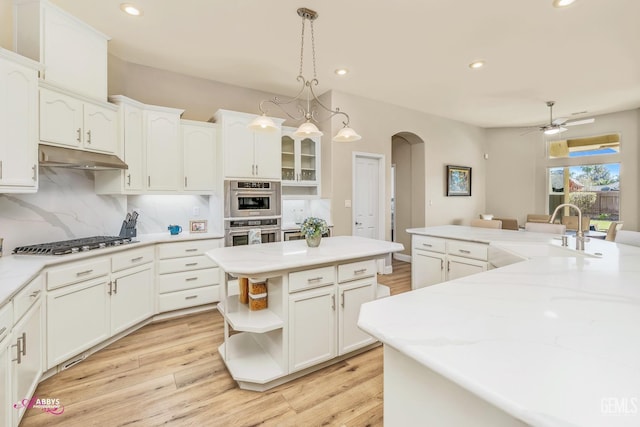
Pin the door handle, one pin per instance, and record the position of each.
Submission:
(333, 302)
(129, 180)
(115, 286)
(79, 131)
(89, 136)
(110, 288)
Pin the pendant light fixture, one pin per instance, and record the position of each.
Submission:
(306, 95)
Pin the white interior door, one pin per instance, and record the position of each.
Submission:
(367, 187)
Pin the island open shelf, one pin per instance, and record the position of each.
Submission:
(247, 360)
(240, 318)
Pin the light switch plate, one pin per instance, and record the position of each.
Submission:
(347, 203)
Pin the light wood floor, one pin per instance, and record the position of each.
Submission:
(170, 373)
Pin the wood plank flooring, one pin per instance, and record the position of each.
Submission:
(170, 373)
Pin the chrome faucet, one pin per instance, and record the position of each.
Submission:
(580, 239)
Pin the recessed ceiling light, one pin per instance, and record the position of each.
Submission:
(562, 3)
(130, 9)
(341, 71)
(476, 64)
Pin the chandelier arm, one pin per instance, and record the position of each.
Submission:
(333, 112)
(278, 103)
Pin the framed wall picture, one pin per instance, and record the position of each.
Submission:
(198, 226)
(458, 181)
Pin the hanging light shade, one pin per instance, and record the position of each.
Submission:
(346, 134)
(307, 96)
(263, 124)
(306, 130)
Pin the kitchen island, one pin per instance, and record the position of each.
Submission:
(313, 298)
(551, 340)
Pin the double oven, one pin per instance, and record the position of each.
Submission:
(252, 211)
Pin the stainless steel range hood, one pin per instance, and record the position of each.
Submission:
(60, 157)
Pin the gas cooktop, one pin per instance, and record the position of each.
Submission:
(72, 246)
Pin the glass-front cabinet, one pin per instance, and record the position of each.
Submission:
(300, 165)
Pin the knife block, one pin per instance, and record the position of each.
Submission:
(127, 232)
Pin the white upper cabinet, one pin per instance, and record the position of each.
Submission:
(74, 54)
(199, 156)
(248, 154)
(131, 131)
(18, 124)
(69, 121)
(300, 165)
(162, 137)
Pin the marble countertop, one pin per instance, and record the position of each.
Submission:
(18, 270)
(552, 340)
(254, 260)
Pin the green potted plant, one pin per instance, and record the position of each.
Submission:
(313, 228)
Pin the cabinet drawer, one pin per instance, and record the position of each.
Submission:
(77, 272)
(26, 297)
(309, 279)
(6, 320)
(187, 249)
(468, 250)
(429, 243)
(188, 280)
(129, 259)
(189, 298)
(356, 270)
(185, 264)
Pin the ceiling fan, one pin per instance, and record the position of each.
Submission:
(557, 125)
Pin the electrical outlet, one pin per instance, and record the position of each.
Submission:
(347, 203)
(196, 211)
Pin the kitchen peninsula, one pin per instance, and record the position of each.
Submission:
(313, 299)
(551, 340)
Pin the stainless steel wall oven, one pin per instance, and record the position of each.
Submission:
(239, 231)
(252, 198)
(252, 211)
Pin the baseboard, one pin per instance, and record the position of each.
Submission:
(402, 257)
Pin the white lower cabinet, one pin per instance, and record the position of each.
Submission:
(132, 297)
(435, 260)
(83, 314)
(458, 267)
(352, 296)
(25, 350)
(77, 319)
(427, 268)
(5, 394)
(312, 327)
(6, 322)
(186, 277)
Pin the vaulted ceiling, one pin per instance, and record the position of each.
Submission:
(412, 53)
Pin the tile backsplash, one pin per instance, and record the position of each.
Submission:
(295, 211)
(66, 207)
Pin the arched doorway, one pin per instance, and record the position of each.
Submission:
(407, 189)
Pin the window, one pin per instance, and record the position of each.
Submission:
(581, 147)
(594, 188)
(586, 172)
